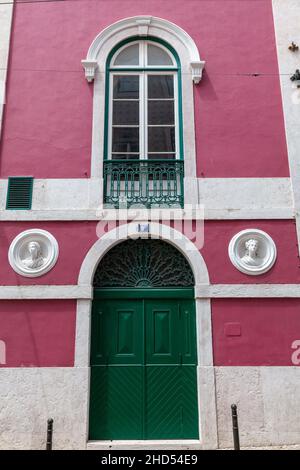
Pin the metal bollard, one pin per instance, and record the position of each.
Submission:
(235, 427)
(49, 434)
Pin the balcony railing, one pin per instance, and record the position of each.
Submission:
(143, 182)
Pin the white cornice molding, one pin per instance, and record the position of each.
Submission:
(202, 291)
(178, 214)
(143, 26)
(45, 292)
(221, 198)
(247, 291)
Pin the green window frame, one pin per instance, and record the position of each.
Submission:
(174, 70)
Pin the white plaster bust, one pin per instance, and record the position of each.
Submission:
(252, 251)
(35, 258)
(33, 253)
(251, 256)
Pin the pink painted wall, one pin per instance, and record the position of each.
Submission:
(268, 328)
(76, 238)
(215, 252)
(246, 332)
(38, 333)
(48, 115)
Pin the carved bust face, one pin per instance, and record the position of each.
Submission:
(34, 250)
(35, 258)
(251, 247)
(250, 258)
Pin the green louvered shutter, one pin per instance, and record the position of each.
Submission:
(19, 193)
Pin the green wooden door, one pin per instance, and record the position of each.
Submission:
(143, 369)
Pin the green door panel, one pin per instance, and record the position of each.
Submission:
(143, 369)
(116, 332)
(171, 404)
(163, 340)
(170, 332)
(116, 407)
(187, 330)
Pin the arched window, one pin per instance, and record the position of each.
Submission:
(144, 90)
(143, 142)
(143, 124)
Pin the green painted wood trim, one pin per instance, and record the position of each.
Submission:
(152, 160)
(180, 118)
(142, 38)
(107, 72)
(137, 293)
(145, 69)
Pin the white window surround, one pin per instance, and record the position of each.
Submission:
(143, 26)
(191, 68)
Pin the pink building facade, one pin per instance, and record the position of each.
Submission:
(234, 166)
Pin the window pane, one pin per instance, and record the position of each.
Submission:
(161, 156)
(161, 139)
(128, 56)
(125, 139)
(126, 112)
(160, 86)
(160, 112)
(126, 87)
(157, 56)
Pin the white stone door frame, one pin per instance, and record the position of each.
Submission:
(205, 369)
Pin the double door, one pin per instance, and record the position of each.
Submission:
(143, 369)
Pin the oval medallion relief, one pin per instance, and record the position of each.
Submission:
(33, 253)
(252, 251)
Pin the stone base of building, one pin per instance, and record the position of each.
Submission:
(267, 397)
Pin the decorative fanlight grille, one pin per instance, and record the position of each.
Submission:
(144, 263)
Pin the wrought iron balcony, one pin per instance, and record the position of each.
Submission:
(143, 182)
